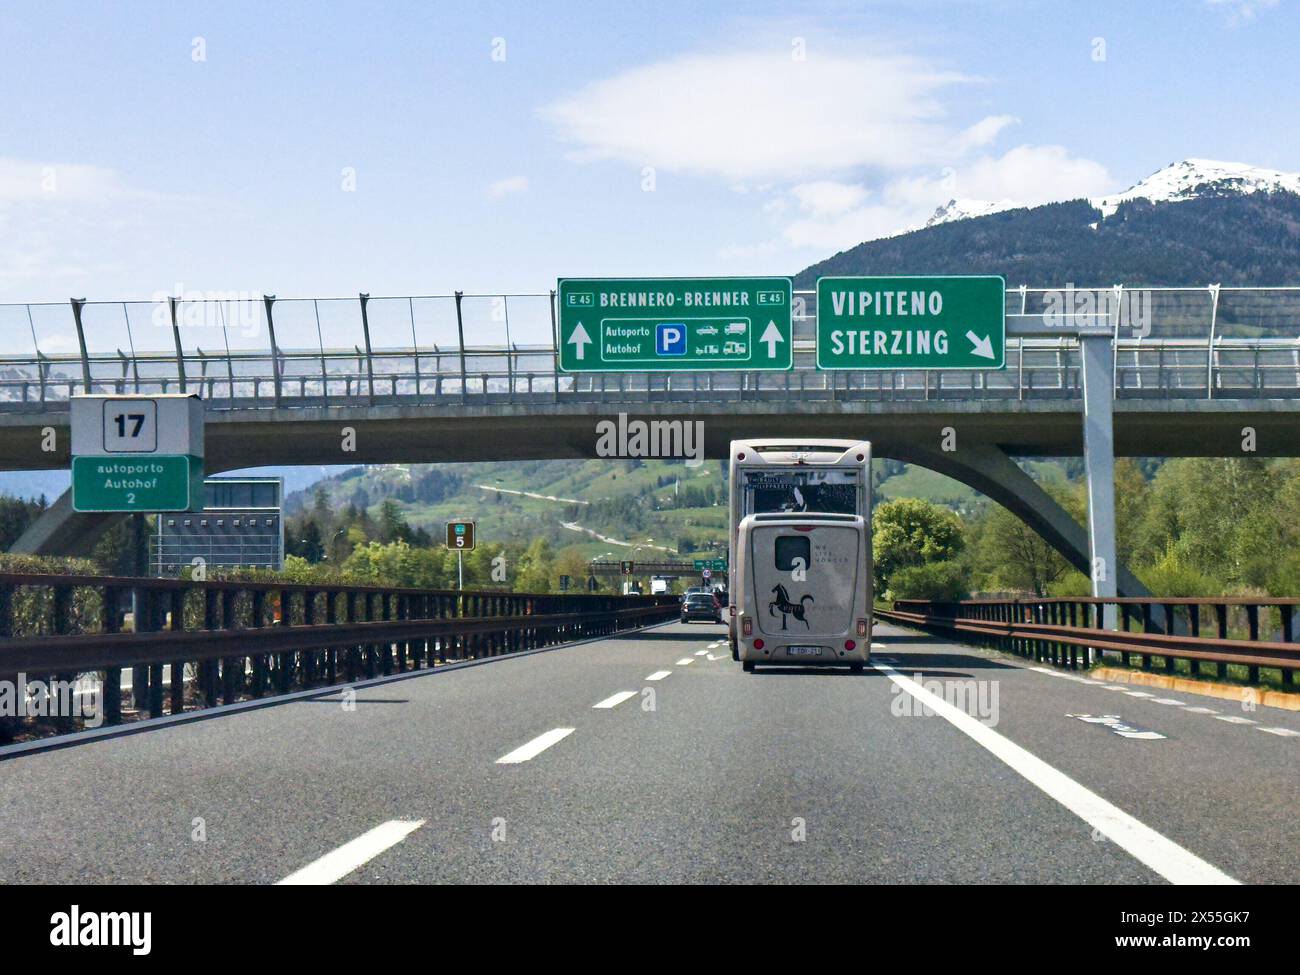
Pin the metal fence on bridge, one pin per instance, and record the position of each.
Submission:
(230, 641)
(251, 351)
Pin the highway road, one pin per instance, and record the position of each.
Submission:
(653, 758)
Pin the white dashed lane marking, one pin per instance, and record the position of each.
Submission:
(659, 675)
(535, 747)
(684, 661)
(339, 863)
(701, 653)
(1233, 719)
(1116, 724)
(614, 700)
(1282, 732)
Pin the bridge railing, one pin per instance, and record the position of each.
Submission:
(148, 647)
(1216, 636)
(249, 351)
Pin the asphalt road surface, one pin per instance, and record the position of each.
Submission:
(653, 758)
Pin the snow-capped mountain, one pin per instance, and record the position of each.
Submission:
(964, 209)
(1194, 178)
(1186, 180)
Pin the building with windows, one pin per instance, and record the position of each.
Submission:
(241, 525)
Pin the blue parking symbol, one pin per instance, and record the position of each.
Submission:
(670, 338)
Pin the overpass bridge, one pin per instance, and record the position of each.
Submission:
(643, 568)
(474, 377)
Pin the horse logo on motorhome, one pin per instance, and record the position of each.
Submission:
(783, 603)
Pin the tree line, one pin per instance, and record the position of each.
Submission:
(1197, 527)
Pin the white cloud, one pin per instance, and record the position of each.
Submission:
(1028, 174)
(23, 180)
(753, 116)
(502, 188)
(64, 223)
(826, 197)
(985, 131)
(1241, 10)
(841, 148)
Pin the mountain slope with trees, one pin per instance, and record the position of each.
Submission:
(1233, 240)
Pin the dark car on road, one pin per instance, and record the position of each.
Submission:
(701, 606)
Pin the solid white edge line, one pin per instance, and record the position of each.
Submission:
(614, 700)
(1161, 854)
(356, 853)
(535, 747)
(659, 675)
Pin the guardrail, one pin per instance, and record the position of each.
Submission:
(230, 641)
(1068, 632)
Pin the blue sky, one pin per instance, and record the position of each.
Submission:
(611, 138)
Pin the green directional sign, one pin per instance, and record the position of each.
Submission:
(664, 324)
(715, 565)
(952, 322)
(157, 482)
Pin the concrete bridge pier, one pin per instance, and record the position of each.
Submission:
(988, 469)
(62, 531)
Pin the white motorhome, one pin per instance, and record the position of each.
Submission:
(802, 590)
(798, 476)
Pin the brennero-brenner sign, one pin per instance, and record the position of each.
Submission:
(664, 324)
(953, 322)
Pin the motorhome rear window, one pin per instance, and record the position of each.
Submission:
(792, 552)
(826, 491)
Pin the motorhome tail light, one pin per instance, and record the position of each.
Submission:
(862, 627)
(850, 645)
(747, 626)
(758, 644)
(740, 456)
(862, 456)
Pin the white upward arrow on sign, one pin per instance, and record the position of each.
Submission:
(771, 335)
(580, 340)
(982, 347)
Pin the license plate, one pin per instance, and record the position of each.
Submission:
(804, 651)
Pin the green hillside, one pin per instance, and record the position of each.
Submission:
(664, 507)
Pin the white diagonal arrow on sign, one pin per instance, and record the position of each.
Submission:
(982, 347)
(580, 340)
(771, 336)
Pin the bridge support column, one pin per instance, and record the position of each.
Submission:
(1098, 359)
(62, 531)
(988, 469)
